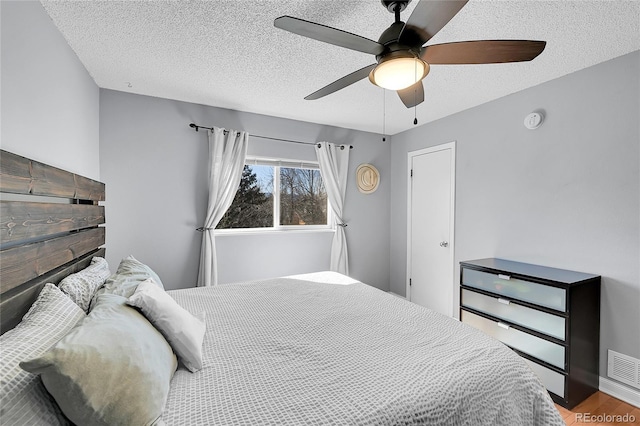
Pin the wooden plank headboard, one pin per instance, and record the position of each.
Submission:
(49, 228)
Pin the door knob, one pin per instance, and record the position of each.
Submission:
(444, 244)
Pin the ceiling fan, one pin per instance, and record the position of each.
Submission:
(402, 59)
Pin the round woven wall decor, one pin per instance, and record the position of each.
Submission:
(367, 178)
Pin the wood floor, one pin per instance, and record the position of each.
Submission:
(598, 405)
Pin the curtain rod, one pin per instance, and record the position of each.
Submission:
(197, 127)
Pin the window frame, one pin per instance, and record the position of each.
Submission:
(278, 163)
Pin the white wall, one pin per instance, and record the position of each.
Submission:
(49, 102)
(565, 195)
(154, 166)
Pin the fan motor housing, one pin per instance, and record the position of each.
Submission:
(391, 34)
(389, 39)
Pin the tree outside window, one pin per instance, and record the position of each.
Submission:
(301, 199)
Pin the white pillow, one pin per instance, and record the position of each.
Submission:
(183, 331)
(81, 286)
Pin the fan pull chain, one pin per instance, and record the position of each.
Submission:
(384, 115)
(415, 94)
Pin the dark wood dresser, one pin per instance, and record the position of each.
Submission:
(550, 316)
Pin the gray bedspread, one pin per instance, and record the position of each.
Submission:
(292, 351)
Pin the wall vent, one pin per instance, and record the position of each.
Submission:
(623, 368)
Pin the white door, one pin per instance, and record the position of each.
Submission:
(431, 197)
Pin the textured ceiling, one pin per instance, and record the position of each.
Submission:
(228, 53)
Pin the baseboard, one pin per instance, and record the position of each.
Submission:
(396, 294)
(620, 391)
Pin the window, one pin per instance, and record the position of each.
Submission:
(299, 201)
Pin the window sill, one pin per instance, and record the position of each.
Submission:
(264, 231)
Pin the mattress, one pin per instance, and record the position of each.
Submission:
(326, 349)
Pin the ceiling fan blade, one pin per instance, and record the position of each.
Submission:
(341, 83)
(412, 95)
(427, 18)
(482, 52)
(328, 35)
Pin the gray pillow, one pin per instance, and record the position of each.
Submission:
(23, 397)
(82, 286)
(124, 282)
(114, 368)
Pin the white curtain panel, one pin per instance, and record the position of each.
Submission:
(227, 152)
(334, 168)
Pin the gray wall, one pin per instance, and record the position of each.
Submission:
(49, 101)
(154, 166)
(565, 195)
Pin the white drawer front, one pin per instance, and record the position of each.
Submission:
(543, 295)
(542, 349)
(543, 322)
(552, 380)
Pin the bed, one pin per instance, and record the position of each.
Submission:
(316, 349)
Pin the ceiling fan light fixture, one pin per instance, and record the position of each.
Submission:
(397, 73)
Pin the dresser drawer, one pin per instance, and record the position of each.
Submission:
(552, 380)
(539, 294)
(544, 350)
(551, 325)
